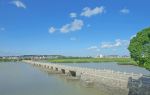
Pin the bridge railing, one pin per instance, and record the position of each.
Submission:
(97, 72)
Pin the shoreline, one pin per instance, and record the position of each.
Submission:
(120, 61)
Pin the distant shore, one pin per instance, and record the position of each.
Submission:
(120, 61)
(8, 60)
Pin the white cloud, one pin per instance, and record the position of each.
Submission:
(19, 4)
(133, 36)
(73, 15)
(73, 26)
(125, 11)
(73, 39)
(52, 30)
(93, 48)
(88, 12)
(117, 43)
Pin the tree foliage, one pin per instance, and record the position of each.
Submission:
(140, 47)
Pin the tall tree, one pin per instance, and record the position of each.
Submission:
(140, 47)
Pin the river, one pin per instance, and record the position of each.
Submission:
(17, 78)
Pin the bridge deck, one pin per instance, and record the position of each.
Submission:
(136, 83)
(90, 71)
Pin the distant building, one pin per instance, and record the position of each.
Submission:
(99, 56)
(40, 57)
(117, 56)
(112, 56)
(125, 56)
(9, 57)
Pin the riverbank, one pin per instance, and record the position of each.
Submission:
(8, 60)
(147, 66)
(120, 61)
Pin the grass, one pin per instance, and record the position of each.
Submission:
(121, 61)
(8, 60)
(147, 66)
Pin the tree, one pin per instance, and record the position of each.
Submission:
(139, 47)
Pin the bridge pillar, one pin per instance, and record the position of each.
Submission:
(72, 73)
(56, 69)
(47, 67)
(40, 65)
(52, 67)
(63, 71)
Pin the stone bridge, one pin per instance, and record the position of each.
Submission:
(98, 77)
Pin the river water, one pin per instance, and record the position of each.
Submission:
(23, 79)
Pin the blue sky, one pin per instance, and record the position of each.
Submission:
(70, 27)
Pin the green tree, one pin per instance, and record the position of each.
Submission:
(140, 47)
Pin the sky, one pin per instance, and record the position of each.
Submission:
(70, 27)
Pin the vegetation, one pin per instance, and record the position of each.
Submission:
(8, 60)
(92, 60)
(140, 48)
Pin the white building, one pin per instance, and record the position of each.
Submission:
(99, 56)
